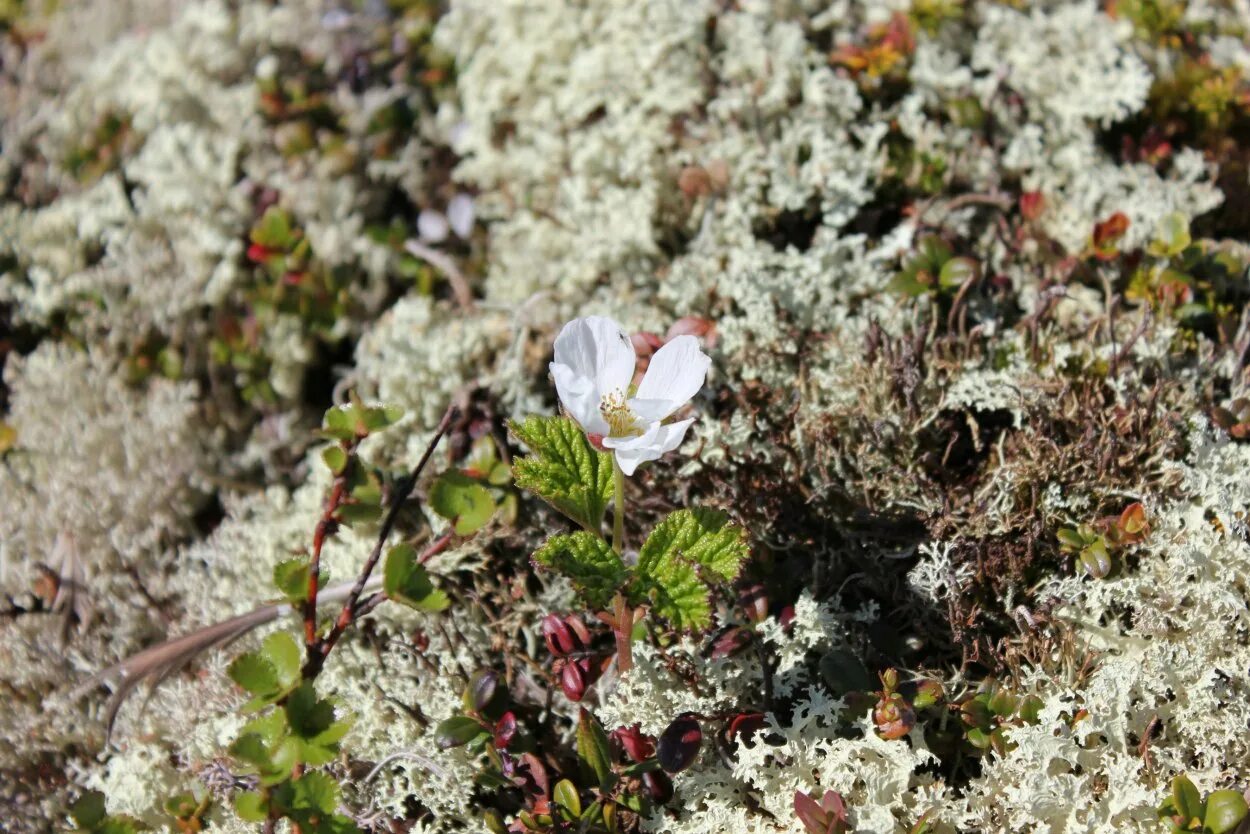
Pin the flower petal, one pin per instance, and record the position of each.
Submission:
(596, 348)
(675, 375)
(579, 398)
(656, 441)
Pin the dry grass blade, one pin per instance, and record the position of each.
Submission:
(156, 663)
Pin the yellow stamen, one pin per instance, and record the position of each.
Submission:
(621, 420)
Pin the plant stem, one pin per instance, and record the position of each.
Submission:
(312, 667)
(618, 509)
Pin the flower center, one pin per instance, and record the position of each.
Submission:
(622, 422)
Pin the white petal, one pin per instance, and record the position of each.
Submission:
(658, 439)
(597, 349)
(460, 214)
(579, 398)
(673, 377)
(432, 226)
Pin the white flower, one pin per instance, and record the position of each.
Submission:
(432, 226)
(593, 369)
(461, 214)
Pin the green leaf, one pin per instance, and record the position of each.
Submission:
(563, 469)
(89, 809)
(1171, 237)
(335, 458)
(251, 749)
(1185, 798)
(406, 581)
(706, 537)
(457, 731)
(273, 231)
(363, 513)
(956, 272)
(1095, 559)
(181, 806)
(594, 751)
(340, 421)
(684, 552)
(255, 674)
(376, 418)
(291, 578)
(1225, 810)
(315, 791)
(462, 500)
(251, 807)
(307, 715)
(565, 795)
(283, 654)
(678, 594)
(588, 561)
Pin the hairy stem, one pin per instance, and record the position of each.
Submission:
(618, 509)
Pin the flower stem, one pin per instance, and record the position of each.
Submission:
(618, 509)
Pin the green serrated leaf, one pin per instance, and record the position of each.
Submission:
(461, 500)
(314, 791)
(706, 537)
(593, 750)
(255, 674)
(563, 469)
(588, 561)
(678, 593)
(406, 581)
(686, 551)
(283, 654)
(251, 748)
(291, 578)
(307, 715)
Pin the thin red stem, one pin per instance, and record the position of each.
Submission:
(324, 527)
(349, 612)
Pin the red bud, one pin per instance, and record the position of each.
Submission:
(573, 682)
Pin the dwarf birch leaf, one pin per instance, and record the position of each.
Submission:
(291, 577)
(461, 500)
(588, 562)
(406, 581)
(255, 674)
(315, 791)
(283, 653)
(251, 807)
(563, 469)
